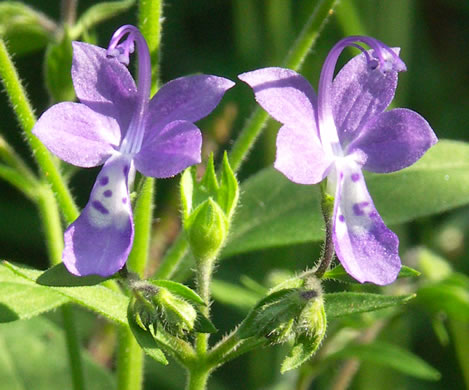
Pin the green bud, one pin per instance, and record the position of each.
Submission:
(177, 316)
(309, 332)
(208, 207)
(207, 228)
(275, 316)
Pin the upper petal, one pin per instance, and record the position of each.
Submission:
(393, 140)
(286, 95)
(77, 134)
(300, 157)
(187, 98)
(100, 239)
(367, 249)
(359, 93)
(169, 150)
(103, 83)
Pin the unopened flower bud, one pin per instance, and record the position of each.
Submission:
(207, 229)
(177, 316)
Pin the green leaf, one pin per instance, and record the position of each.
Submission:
(345, 303)
(289, 213)
(229, 190)
(58, 63)
(304, 348)
(100, 299)
(33, 357)
(59, 276)
(179, 289)
(391, 356)
(450, 295)
(234, 295)
(24, 28)
(339, 273)
(21, 299)
(98, 13)
(145, 338)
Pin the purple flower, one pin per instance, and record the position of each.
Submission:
(337, 133)
(118, 125)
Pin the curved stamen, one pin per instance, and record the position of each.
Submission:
(385, 60)
(132, 142)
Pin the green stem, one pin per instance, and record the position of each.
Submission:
(129, 362)
(197, 379)
(150, 19)
(230, 348)
(294, 60)
(173, 258)
(459, 331)
(73, 348)
(50, 218)
(26, 118)
(204, 277)
(143, 217)
(25, 185)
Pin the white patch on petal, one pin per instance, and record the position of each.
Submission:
(109, 202)
(356, 206)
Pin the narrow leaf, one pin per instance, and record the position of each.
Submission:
(339, 273)
(288, 213)
(99, 299)
(22, 299)
(345, 303)
(180, 289)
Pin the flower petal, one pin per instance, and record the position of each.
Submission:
(187, 98)
(99, 241)
(77, 134)
(367, 249)
(170, 150)
(393, 140)
(103, 83)
(359, 93)
(300, 157)
(286, 95)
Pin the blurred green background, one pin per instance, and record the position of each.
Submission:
(228, 37)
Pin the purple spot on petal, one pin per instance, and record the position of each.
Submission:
(358, 208)
(100, 207)
(104, 180)
(341, 218)
(124, 200)
(107, 193)
(341, 175)
(355, 177)
(126, 170)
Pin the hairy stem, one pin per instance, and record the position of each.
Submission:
(26, 119)
(143, 218)
(327, 208)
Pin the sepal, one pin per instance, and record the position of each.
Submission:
(144, 332)
(208, 206)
